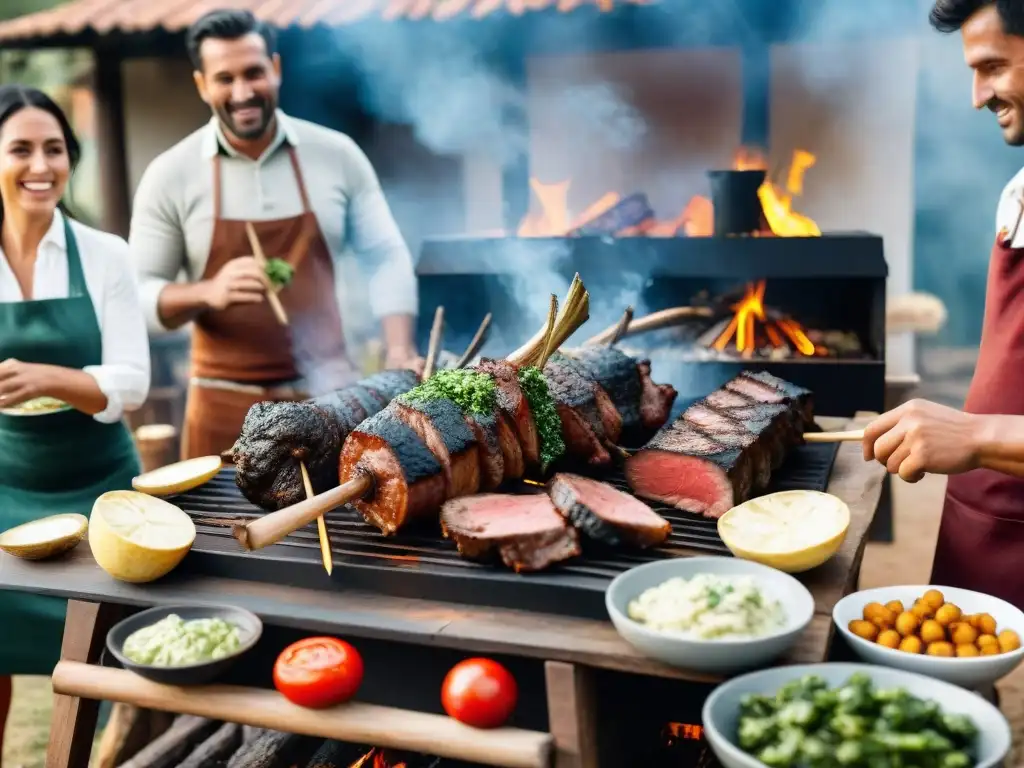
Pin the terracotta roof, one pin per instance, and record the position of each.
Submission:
(133, 16)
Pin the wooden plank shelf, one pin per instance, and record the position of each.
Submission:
(352, 722)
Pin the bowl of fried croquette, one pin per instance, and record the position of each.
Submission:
(966, 638)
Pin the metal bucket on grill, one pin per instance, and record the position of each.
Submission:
(737, 208)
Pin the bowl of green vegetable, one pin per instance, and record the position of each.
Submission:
(825, 715)
(184, 644)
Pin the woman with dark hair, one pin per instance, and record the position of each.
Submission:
(74, 356)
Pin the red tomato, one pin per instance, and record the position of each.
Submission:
(480, 693)
(318, 672)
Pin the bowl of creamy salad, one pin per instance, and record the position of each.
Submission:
(710, 614)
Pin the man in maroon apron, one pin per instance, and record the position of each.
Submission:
(306, 194)
(981, 537)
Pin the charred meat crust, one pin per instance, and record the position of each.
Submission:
(512, 401)
(414, 458)
(656, 400)
(618, 375)
(447, 419)
(604, 513)
(275, 437)
(492, 462)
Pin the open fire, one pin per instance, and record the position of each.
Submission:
(376, 758)
(753, 327)
(633, 216)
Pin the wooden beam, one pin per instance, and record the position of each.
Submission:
(572, 714)
(110, 141)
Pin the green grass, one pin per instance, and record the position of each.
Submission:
(28, 728)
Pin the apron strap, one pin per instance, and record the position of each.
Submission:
(216, 186)
(299, 180)
(76, 276)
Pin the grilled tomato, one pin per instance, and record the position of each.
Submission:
(318, 672)
(480, 693)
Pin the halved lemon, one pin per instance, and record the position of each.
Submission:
(792, 531)
(138, 538)
(179, 477)
(45, 537)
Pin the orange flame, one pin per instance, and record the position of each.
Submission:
(375, 759)
(747, 312)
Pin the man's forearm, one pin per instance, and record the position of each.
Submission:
(1000, 443)
(398, 333)
(181, 303)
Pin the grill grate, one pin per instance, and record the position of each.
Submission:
(424, 564)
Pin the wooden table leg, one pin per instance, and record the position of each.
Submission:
(572, 714)
(73, 724)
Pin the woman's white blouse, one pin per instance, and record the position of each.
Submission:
(123, 375)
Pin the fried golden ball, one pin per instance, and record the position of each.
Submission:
(907, 623)
(895, 606)
(1008, 640)
(922, 610)
(940, 649)
(971, 618)
(990, 650)
(934, 598)
(986, 640)
(964, 650)
(986, 625)
(911, 644)
(964, 634)
(890, 638)
(879, 615)
(932, 632)
(947, 614)
(865, 629)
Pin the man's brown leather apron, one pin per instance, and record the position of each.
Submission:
(981, 538)
(246, 344)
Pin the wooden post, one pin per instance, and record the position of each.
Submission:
(110, 139)
(73, 723)
(572, 714)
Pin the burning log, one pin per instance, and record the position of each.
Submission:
(274, 749)
(663, 319)
(174, 744)
(224, 742)
(629, 212)
(334, 754)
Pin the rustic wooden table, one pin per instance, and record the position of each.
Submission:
(569, 648)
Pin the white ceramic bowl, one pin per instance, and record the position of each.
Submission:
(721, 710)
(712, 656)
(973, 672)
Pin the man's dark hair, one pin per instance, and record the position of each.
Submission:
(951, 15)
(227, 24)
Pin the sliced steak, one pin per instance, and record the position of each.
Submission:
(512, 401)
(408, 482)
(511, 450)
(802, 399)
(574, 399)
(492, 462)
(441, 426)
(774, 420)
(732, 433)
(525, 531)
(607, 413)
(656, 400)
(686, 468)
(605, 513)
(275, 437)
(618, 375)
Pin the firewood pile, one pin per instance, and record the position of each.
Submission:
(197, 742)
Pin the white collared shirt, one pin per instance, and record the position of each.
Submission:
(123, 375)
(172, 215)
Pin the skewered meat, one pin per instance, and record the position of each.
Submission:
(276, 437)
(486, 432)
(512, 402)
(577, 409)
(408, 481)
(704, 463)
(607, 413)
(606, 514)
(440, 425)
(525, 531)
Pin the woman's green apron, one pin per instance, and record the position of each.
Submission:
(52, 463)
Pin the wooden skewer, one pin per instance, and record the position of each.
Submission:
(434, 347)
(270, 529)
(852, 436)
(476, 343)
(622, 327)
(321, 526)
(261, 259)
(651, 322)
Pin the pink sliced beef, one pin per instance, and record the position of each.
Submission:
(606, 514)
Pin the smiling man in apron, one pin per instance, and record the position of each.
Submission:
(981, 538)
(309, 193)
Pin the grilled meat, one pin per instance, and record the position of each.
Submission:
(577, 409)
(606, 514)
(722, 447)
(409, 483)
(525, 531)
(486, 432)
(275, 438)
(441, 426)
(656, 400)
(618, 375)
(512, 402)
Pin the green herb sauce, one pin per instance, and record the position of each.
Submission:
(542, 406)
(472, 391)
(279, 272)
(173, 642)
